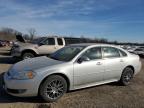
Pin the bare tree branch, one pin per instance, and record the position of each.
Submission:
(32, 33)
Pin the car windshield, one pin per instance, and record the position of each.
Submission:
(67, 53)
(38, 40)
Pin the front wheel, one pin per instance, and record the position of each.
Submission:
(53, 88)
(27, 55)
(126, 76)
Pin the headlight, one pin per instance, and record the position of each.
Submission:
(23, 75)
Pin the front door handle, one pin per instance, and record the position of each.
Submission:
(121, 60)
(98, 63)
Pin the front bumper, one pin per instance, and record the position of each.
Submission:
(21, 88)
(15, 53)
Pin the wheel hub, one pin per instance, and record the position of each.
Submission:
(54, 89)
(127, 77)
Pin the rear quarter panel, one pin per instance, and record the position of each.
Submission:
(134, 60)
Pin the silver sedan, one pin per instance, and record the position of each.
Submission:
(72, 67)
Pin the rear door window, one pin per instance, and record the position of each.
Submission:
(60, 41)
(110, 52)
(50, 41)
(123, 54)
(93, 53)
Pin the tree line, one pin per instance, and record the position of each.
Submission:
(10, 34)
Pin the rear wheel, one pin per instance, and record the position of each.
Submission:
(127, 75)
(27, 55)
(53, 88)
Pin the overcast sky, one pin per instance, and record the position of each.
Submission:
(121, 20)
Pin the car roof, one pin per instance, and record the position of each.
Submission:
(92, 44)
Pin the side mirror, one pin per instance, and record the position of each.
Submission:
(83, 58)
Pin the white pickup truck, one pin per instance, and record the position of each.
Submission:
(40, 46)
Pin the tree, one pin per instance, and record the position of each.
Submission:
(103, 40)
(32, 33)
(7, 33)
(26, 37)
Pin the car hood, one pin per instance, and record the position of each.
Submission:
(22, 44)
(28, 45)
(20, 38)
(34, 63)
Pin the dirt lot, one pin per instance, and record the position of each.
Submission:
(105, 96)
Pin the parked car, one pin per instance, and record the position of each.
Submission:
(139, 51)
(40, 46)
(2, 43)
(141, 47)
(70, 68)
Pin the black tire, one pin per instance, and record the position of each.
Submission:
(126, 76)
(27, 55)
(53, 88)
(141, 55)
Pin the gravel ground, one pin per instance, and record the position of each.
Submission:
(105, 96)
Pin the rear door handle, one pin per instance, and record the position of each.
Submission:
(98, 63)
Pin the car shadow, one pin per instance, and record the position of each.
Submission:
(5, 53)
(109, 84)
(8, 60)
